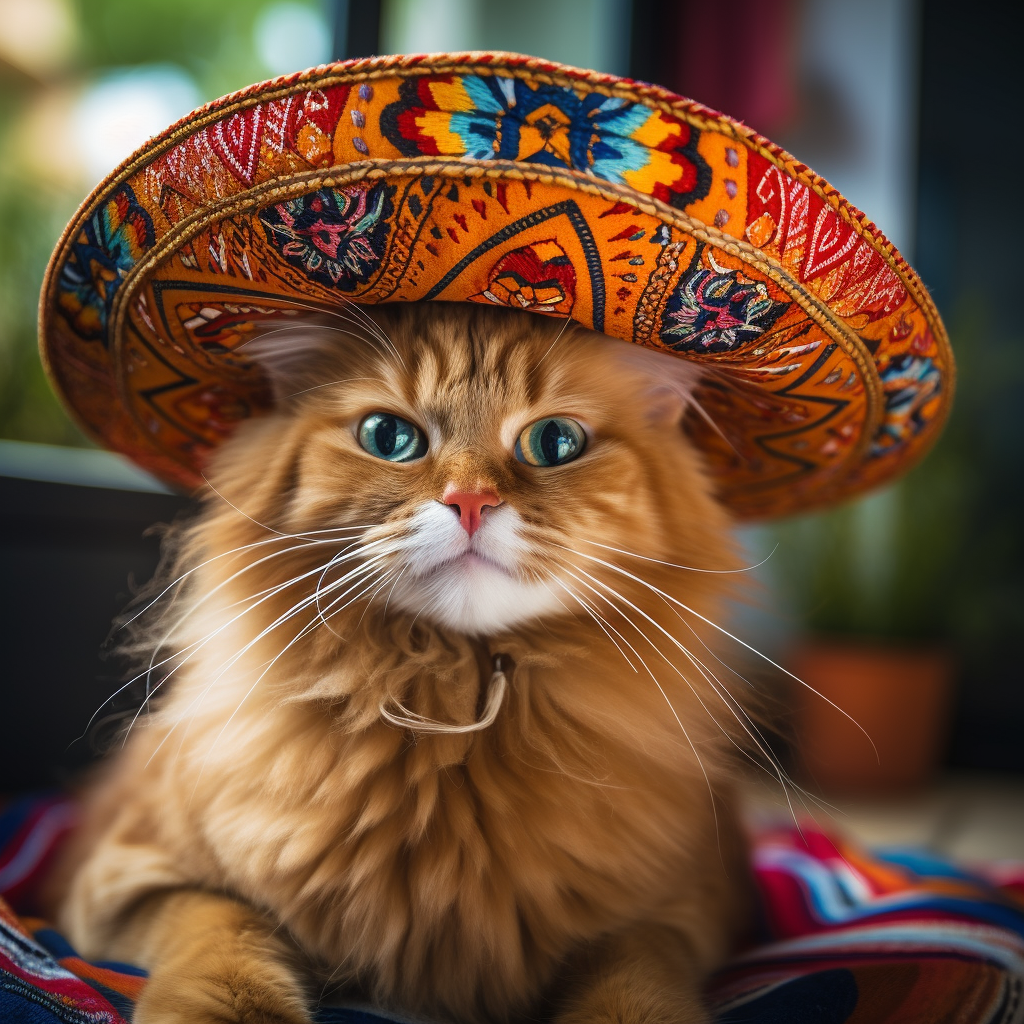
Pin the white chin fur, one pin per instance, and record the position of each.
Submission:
(469, 584)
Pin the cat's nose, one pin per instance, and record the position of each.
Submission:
(470, 506)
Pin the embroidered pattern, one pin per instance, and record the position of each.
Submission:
(717, 311)
(911, 384)
(499, 118)
(538, 277)
(108, 245)
(337, 235)
(789, 221)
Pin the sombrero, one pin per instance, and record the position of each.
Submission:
(508, 180)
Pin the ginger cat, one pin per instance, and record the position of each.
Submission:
(438, 719)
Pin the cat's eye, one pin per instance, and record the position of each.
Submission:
(388, 436)
(550, 442)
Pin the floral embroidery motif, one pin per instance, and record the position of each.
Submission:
(717, 311)
(337, 235)
(109, 244)
(498, 118)
(538, 277)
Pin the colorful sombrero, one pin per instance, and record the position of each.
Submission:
(498, 179)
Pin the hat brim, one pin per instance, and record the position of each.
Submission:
(499, 179)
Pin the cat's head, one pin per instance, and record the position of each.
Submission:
(476, 467)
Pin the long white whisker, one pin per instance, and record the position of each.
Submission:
(681, 647)
(154, 664)
(392, 590)
(725, 632)
(369, 600)
(374, 327)
(266, 558)
(376, 335)
(245, 515)
(263, 596)
(721, 688)
(746, 723)
(372, 563)
(333, 383)
(310, 626)
(706, 416)
(318, 592)
(297, 327)
(196, 646)
(247, 568)
(360, 316)
(755, 735)
(671, 706)
(297, 608)
(709, 678)
(566, 322)
(303, 632)
(781, 775)
(598, 618)
(226, 554)
(673, 565)
(366, 323)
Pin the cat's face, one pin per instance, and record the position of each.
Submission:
(484, 460)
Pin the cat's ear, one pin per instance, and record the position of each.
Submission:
(292, 354)
(667, 382)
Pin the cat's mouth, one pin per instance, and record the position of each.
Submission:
(470, 559)
(475, 584)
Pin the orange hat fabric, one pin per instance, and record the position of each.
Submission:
(512, 181)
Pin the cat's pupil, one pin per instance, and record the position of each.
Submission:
(550, 442)
(390, 437)
(386, 435)
(555, 444)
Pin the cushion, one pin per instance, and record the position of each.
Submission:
(846, 936)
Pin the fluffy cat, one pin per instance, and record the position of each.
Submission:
(445, 715)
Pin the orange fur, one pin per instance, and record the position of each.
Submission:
(266, 832)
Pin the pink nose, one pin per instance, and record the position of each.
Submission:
(470, 506)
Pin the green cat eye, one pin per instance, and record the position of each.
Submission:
(390, 437)
(550, 442)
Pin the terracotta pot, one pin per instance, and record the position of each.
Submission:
(901, 698)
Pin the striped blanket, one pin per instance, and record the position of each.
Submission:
(850, 937)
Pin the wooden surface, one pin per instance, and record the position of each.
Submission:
(968, 816)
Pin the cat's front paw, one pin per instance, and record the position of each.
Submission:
(611, 1004)
(222, 993)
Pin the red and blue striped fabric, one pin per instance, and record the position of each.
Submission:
(31, 828)
(850, 937)
(891, 937)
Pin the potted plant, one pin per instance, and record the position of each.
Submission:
(879, 588)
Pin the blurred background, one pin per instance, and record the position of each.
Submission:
(904, 105)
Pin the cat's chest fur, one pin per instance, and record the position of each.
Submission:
(425, 869)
